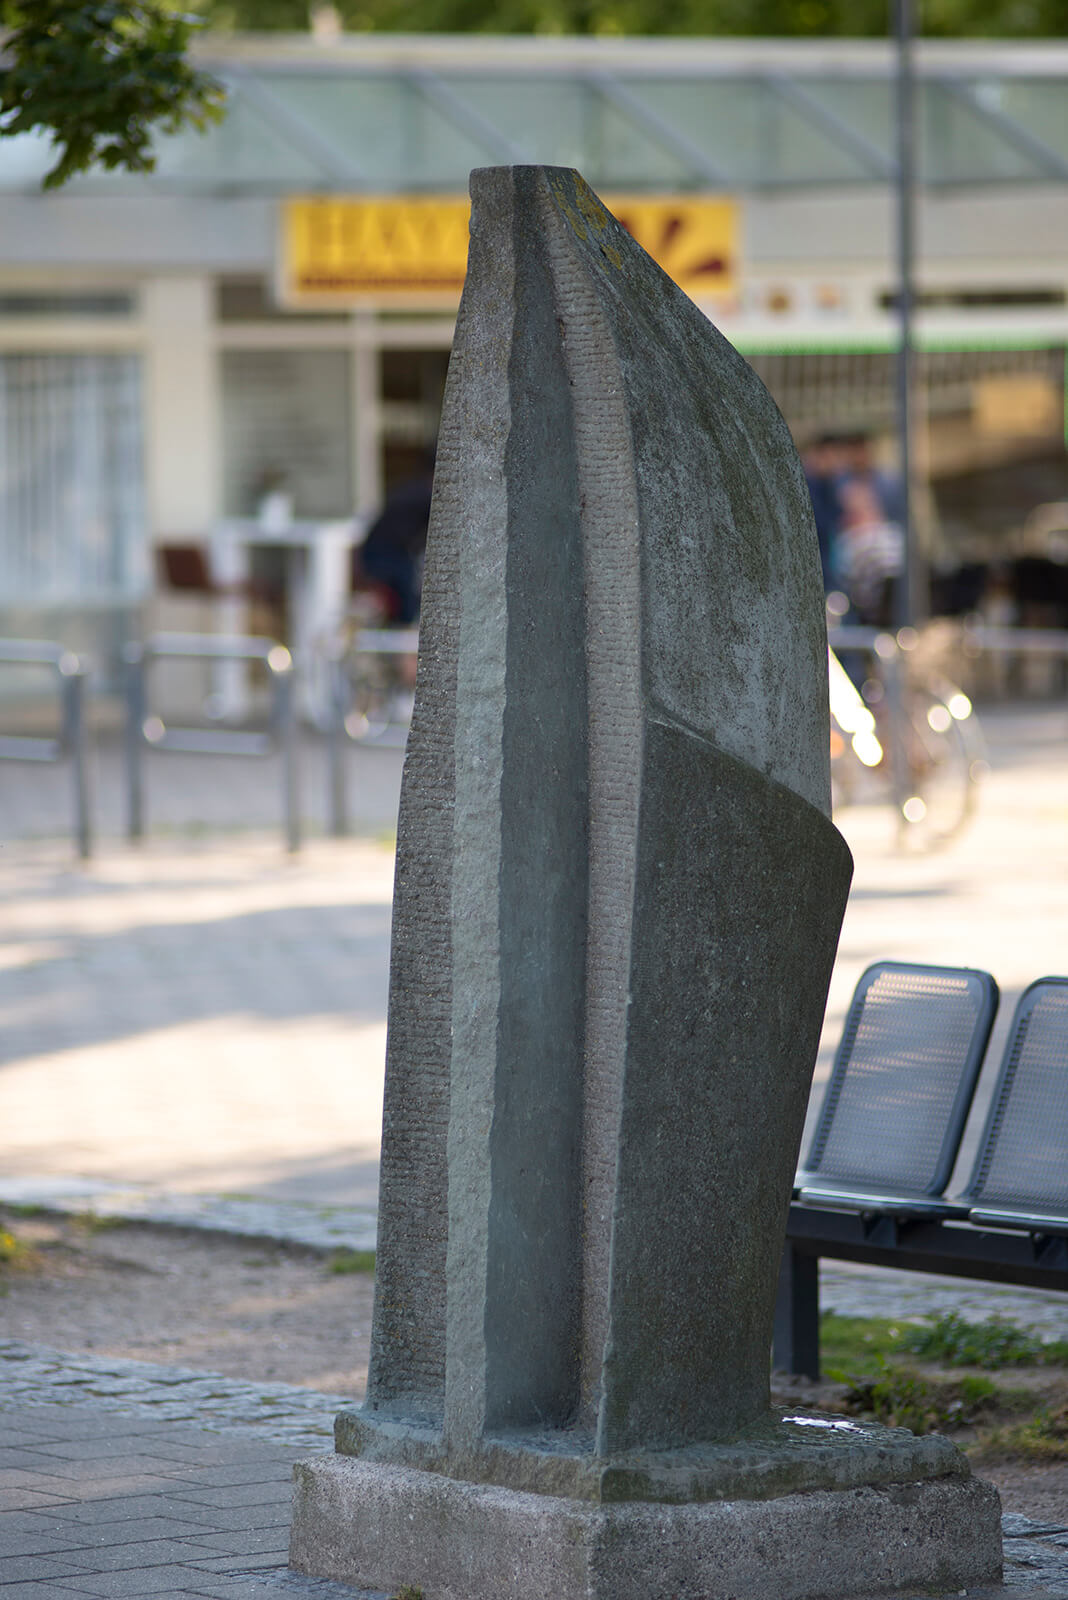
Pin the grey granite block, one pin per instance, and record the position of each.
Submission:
(461, 1541)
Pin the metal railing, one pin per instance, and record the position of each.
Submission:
(73, 741)
(147, 731)
(367, 642)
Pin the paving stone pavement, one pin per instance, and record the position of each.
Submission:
(107, 1491)
(113, 1503)
(315, 1226)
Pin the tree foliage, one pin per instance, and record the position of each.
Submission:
(1024, 19)
(101, 76)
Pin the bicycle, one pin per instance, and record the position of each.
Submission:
(907, 729)
(372, 680)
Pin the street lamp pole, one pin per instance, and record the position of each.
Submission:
(906, 595)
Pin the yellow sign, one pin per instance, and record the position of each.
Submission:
(694, 239)
(347, 251)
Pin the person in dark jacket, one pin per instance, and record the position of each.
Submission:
(824, 461)
(392, 553)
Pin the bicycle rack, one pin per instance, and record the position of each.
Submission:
(368, 641)
(73, 675)
(144, 730)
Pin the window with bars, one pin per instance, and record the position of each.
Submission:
(72, 517)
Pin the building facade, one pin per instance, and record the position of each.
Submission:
(163, 365)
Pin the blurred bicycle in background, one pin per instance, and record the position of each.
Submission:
(901, 732)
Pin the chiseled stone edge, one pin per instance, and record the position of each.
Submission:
(791, 1453)
(385, 1527)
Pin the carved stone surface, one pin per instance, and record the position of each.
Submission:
(388, 1527)
(617, 905)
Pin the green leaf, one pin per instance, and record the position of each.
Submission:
(101, 77)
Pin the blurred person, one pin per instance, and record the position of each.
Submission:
(859, 465)
(824, 462)
(392, 553)
(870, 553)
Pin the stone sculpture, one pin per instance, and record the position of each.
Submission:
(617, 904)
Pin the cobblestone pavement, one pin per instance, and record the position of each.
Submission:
(315, 1225)
(121, 1479)
(301, 1419)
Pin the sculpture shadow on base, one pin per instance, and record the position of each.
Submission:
(617, 904)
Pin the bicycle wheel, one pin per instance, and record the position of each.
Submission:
(368, 685)
(941, 762)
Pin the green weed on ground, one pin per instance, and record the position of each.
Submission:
(92, 1222)
(859, 1346)
(344, 1261)
(853, 1347)
(902, 1398)
(994, 1344)
(16, 1255)
(908, 1375)
(1042, 1438)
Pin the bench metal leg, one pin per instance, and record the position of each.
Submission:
(796, 1343)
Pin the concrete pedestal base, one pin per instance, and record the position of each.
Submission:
(384, 1527)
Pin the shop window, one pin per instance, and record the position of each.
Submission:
(413, 386)
(71, 480)
(286, 425)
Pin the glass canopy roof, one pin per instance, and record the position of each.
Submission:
(371, 114)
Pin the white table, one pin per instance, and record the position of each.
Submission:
(318, 556)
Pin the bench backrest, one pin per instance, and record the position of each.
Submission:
(1022, 1160)
(903, 1078)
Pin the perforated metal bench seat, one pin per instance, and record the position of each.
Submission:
(899, 1091)
(1020, 1175)
(1008, 1225)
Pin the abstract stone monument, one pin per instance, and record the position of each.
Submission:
(617, 904)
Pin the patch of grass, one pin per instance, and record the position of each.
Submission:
(16, 1255)
(857, 1346)
(92, 1222)
(24, 1211)
(902, 1398)
(344, 1261)
(1044, 1437)
(409, 1592)
(860, 1346)
(996, 1343)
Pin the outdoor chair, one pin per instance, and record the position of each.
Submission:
(186, 570)
(1020, 1176)
(900, 1088)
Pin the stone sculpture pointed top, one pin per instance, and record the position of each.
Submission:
(617, 904)
(618, 893)
(675, 434)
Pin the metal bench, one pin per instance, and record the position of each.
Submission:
(1020, 1175)
(1008, 1225)
(888, 1131)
